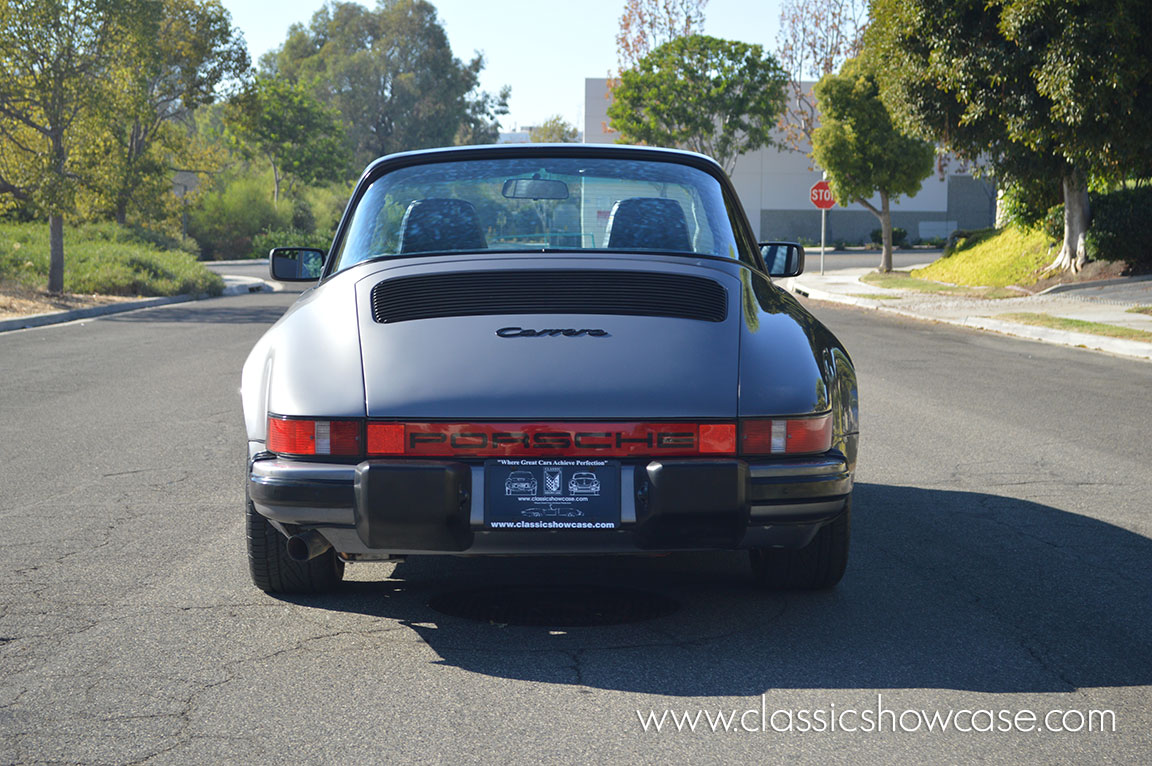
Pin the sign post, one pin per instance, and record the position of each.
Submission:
(821, 196)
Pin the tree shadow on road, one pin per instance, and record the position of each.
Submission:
(945, 589)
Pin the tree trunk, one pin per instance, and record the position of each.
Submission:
(55, 253)
(884, 216)
(275, 184)
(1000, 217)
(1073, 253)
(56, 214)
(885, 234)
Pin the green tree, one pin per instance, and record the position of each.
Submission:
(481, 123)
(716, 97)
(862, 151)
(53, 56)
(391, 74)
(554, 130)
(282, 122)
(1053, 92)
(169, 63)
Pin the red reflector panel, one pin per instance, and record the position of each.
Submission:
(552, 439)
(313, 437)
(717, 438)
(385, 438)
(792, 436)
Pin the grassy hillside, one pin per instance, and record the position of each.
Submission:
(993, 257)
(101, 258)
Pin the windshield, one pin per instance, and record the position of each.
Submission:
(539, 204)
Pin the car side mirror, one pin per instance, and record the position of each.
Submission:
(296, 264)
(784, 259)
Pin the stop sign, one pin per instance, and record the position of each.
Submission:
(821, 196)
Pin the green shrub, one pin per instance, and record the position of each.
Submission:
(1052, 224)
(302, 218)
(290, 237)
(962, 239)
(225, 221)
(1114, 232)
(899, 236)
(1030, 205)
(109, 231)
(327, 204)
(1119, 230)
(102, 258)
(165, 241)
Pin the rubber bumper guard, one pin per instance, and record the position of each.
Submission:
(413, 505)
(692, 503)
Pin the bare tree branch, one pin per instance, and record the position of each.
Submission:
(647, 24)
(816, 37)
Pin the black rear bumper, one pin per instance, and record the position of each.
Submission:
(397, 506)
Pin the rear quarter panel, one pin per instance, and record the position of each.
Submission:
(308, 363)
(791, 364)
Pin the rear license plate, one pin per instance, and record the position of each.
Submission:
(551, 494)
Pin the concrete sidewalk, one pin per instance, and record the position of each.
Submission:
(1102, 302)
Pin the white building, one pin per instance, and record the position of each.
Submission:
(774, 183)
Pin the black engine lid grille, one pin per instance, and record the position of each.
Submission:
(487, 293)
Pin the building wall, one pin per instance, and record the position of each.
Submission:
(773, 185)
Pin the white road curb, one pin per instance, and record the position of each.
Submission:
(59, 317)
(241, 285)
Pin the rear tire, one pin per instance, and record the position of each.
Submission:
(819, 565)
(274, 571)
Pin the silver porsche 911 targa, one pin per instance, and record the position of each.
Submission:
(546, 349)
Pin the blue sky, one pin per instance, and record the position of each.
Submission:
(543, 49)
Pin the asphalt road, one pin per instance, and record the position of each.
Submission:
(1000, 561)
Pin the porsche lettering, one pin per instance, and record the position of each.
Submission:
(559, 440)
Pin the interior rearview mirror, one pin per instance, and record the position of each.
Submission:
(783, 259)
(296, 264)
(534, 188)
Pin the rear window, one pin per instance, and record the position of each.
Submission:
(540, 204)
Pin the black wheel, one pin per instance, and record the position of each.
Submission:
(819, 565)
(273, 571)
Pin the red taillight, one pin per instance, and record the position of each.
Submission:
(786, 436)
(760, 436)
(604, 439)
(313, 437)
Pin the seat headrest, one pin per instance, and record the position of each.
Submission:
(436, 224)
(648, 223)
